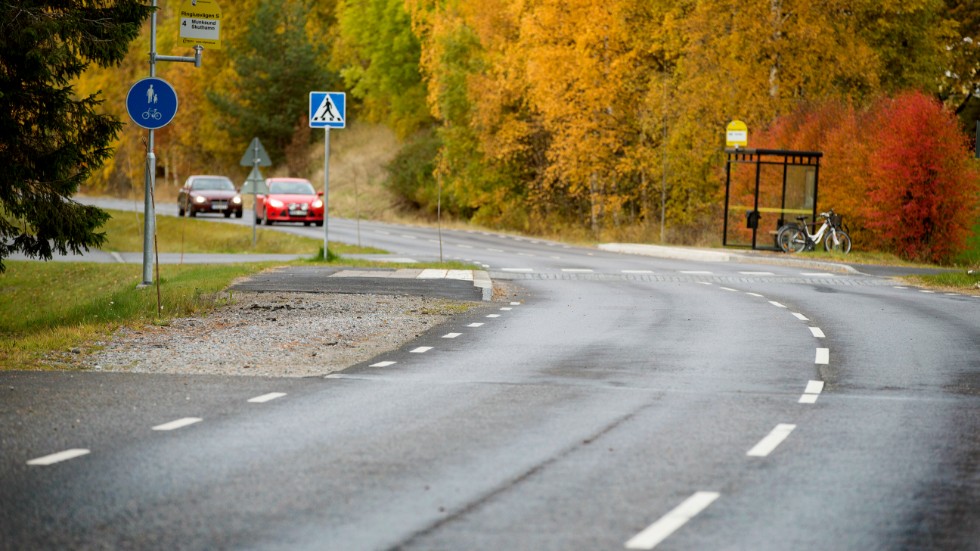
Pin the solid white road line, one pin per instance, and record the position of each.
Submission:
(475, 325)
(178, 424)
(823, 356)
(451, 335)
(757, 273)
(672, 521)
(267, 397)
(800, 316)
(58, 457)
(817, 332)
(776, 304)
(385, 363)
(771, 441)
(421, 350)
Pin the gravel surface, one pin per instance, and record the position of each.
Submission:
(277, 335)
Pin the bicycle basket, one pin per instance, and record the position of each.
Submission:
(836, 220)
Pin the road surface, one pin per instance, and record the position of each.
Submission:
(619, 401)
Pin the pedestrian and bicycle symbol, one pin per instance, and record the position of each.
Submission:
(152, 103)
(328, 109)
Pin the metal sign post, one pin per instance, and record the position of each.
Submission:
(327, 110)
(156, 108)
(255, 156)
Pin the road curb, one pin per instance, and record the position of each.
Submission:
(710, 255)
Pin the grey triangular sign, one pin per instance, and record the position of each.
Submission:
(256, 151)
(255, 183)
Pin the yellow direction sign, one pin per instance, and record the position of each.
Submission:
(736, 134)
(200, 23)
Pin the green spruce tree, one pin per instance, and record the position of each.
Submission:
(50, 139)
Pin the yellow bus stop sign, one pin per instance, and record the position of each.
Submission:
(200, 23)
(736, 134)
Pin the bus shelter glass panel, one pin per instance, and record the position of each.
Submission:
(766, 189)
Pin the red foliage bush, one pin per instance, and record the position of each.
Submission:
(924, 186)
(900, 172)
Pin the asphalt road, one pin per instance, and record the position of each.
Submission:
(619, 402)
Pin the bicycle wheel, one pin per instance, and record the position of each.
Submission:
(784, 237)
(843, 244)
(796, 241)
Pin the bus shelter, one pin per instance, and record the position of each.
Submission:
(764, 189)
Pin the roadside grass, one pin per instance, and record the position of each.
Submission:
(54, 313)
(124, 233)
(962, 281)
(54, 310)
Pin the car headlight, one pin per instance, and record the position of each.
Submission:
(275, 203)
(237, 199)
(199, 199)
(317, 204)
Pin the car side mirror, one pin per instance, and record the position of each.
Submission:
(319, 194)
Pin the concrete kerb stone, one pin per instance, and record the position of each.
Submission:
(712, 255)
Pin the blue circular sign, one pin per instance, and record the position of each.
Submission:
(152, 103)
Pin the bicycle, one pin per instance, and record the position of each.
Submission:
(794, 239)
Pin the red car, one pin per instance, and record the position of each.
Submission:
(289, 200)
(209, 194)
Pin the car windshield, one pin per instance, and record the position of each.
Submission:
(219, 184)
(291, 188)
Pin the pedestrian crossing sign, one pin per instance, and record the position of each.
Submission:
(328, 109)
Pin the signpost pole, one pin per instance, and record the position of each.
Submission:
(149, 216)
(326, 192)
(255, 168)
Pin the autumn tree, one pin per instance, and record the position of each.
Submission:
(377, 55)
(924, 184)
(276, 65)
(50, 139)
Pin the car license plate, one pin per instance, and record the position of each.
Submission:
(220, 205)
(297, 212)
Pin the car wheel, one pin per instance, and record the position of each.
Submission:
(191, 212)
(266, 219)
(319, 223)
(180, 210)
(306, 223)
(238, 214)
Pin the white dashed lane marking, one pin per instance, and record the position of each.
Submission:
(672, 521)
(696, 272)
(421, 350)
(266, 397)
(817, 332)
(754, 295)
(451, 335)
(812, 392)
(385, 363)
(768, 444)
(757, 273)
(178, 424)
(637, 271)
(776, 304)
(577, 270)
(823, 356)
(475, 325)
(517, 270)
(800, 316)
(493, 315)
(58, 457)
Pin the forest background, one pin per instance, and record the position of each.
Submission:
(595, 120)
